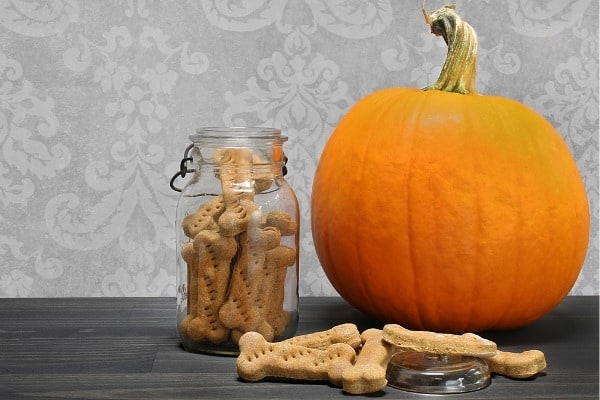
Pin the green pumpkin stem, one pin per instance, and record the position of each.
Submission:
(458, 72)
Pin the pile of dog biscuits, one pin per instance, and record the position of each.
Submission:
(236, 262)
(357, 362)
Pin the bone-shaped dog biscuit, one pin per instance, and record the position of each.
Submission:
(214, 253)
(345, 333)
(237, 185)
(468, 344)
(259, 359)
(272, 286)
(190, 256)
(517, 365)
(368, 374)
(282, 221)
(240, 310)
(204, 218)
(262, 172)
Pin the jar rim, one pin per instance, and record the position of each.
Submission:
(237, 133)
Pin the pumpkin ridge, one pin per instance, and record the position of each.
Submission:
(424, 309)
(369, 137)
(401, 102)
(373, 139)
(502, 116)
(475, 274)
(417, 312)
(509, 115)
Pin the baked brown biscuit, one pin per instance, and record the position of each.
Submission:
(262, 173)
(190, 256)
(237, 186)
(517, 365)
(282, 221)
(205, 218)
(345, 333)
(259, 359)
(214, 253)
(368, 374)
(272, 286)
(240, 310)
(467, 344)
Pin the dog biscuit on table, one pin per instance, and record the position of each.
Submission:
(368, 374)
(259, 359)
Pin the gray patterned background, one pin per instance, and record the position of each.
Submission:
(97, 99)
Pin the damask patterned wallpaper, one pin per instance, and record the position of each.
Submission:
(97, 99)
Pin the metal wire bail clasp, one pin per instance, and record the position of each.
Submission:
(183, 168)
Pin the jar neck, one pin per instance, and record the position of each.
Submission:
(239, 148)
(238, 137)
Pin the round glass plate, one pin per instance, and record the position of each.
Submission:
(437, 374)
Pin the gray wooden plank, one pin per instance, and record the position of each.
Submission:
(99, 348)
(217, 385)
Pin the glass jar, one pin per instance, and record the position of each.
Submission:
(237, 241)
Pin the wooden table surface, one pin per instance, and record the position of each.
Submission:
(128, 348)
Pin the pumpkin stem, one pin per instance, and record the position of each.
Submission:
(458, 72)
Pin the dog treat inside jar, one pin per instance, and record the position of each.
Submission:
(237, 240)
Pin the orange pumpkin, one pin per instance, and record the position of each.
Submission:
(446, 210)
